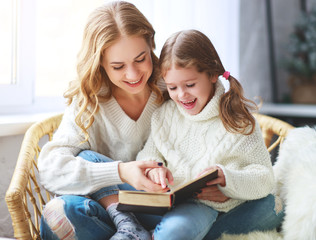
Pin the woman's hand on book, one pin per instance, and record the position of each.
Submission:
(160, 176)
(133, 173)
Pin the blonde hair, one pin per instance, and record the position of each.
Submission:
(192, 48)
(105, 26)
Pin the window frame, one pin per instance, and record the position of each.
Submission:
(19, 92)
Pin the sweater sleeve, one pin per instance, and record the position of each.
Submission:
(249, 175)
(63, 172)
(150, 152)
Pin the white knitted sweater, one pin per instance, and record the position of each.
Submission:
(191, 143)
(113, 134)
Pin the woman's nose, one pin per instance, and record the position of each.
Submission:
(132, 73)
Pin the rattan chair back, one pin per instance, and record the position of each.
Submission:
(272, 127)
(25, 197)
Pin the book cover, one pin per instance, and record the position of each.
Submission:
(159, 203)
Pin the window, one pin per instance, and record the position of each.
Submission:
(14, 89)
(41, 40)
(7, 39)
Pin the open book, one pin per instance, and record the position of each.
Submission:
(159, 203)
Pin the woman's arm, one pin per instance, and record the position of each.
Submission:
(63, 172)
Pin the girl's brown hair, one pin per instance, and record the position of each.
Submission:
(192, 48)
(105, 26)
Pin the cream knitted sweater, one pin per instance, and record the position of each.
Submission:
(113, 134)
(191, 143)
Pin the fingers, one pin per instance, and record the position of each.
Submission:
(162, 179)
(133, 173)
(170, 177)
(149, 186)
(212, 194)
(149, 164)
(214, 182)
(159, 176)
(205, 171)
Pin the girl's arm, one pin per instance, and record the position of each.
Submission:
(150, 152)
(249, 174)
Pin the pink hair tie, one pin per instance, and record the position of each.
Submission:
(226, 75)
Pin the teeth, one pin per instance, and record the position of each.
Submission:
(134, 82)
(189, 102)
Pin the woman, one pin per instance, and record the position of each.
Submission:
(105, 125)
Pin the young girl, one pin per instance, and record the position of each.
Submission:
(204, 128)
(103, 128)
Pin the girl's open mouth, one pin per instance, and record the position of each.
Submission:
(188, 104)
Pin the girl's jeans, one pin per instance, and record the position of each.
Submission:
(78, 217)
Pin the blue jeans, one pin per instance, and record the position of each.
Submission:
(87, 219)
(190, 220)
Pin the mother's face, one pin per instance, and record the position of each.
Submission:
(128, 64)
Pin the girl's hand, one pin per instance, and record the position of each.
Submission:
(159, 176)
(219, 180)
(212, 192)
(133, 173)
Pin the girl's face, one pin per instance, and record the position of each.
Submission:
(128, 64)
(189, 88)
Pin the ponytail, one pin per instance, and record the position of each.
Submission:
(235, 109)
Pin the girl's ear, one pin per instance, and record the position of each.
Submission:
(213, 79)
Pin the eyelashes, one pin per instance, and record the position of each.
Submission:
(140, 60)
(118, 68)
(121, 66)
(187, 85)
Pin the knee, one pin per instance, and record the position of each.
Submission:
(176, 229)
(56, 219)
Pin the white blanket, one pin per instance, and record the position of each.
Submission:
(295, 172)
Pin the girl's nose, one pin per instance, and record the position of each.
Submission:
(181, 93)
(132, 73)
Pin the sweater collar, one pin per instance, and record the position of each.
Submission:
(211, 109)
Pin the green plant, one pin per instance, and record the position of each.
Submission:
(302, 48)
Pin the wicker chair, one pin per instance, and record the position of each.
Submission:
(24, 194)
